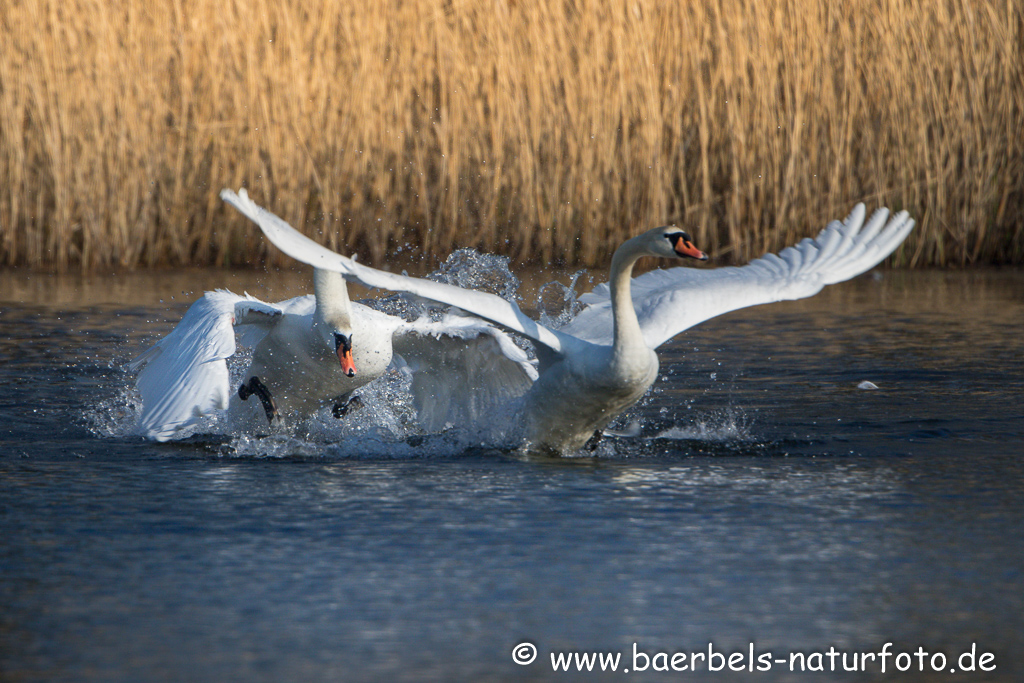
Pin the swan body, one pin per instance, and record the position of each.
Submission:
(314, 350)
(604, 360)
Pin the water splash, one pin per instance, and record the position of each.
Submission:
(385, 426)
(117, 415)
(558, 304)
(470, 269)
(466, 268)
(721, 426)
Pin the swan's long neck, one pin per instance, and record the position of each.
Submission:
(627, 328)
(333, 309)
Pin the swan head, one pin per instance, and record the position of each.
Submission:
(333, 316)
(343, 347)
(670, 242)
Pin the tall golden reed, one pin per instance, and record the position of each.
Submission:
(548, 130)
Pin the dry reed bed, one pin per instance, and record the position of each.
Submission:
(546, 130)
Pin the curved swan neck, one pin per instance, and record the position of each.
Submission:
(626, 327)
(332, 303)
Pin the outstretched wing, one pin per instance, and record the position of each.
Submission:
(670, 301)
(185, 374)
(487, 306)
(463, 369)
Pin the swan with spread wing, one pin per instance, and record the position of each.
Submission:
(604, 360)
(315, 350)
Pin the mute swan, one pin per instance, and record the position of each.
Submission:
(314, 350)
(604, 360)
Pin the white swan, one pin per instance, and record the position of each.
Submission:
(604, 361)
(311, 351)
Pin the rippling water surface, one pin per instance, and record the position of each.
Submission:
(768, 500)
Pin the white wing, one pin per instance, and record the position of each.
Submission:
(487, 306)
(463, 370)
(670, 301)
(186, 374)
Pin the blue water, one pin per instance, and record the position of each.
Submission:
(768, 501)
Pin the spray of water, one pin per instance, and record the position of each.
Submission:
(558, 304)
(719, 426)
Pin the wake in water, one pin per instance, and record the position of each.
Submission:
(386, 424)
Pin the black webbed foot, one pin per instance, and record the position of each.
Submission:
(255, 387)
(591, 444)
(340, 409)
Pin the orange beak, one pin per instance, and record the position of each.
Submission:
(343, 346)
(684, 247)
(348, 366)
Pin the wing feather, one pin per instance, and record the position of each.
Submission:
(487, 306)
(670, 301)
(185, 376)
(463, 370)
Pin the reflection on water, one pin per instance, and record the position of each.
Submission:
(767, 500)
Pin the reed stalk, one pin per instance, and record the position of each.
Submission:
(549, 131)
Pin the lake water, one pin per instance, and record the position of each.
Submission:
(768, 501)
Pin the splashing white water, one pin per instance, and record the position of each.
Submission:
(117, 416)
(558, 304)
(469, 269)
(384, 425)
(725, 426)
